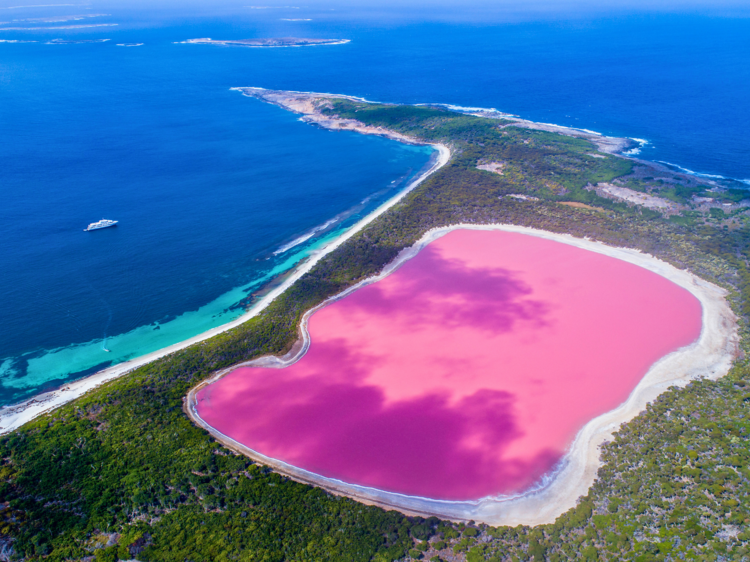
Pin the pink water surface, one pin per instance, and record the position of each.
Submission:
(466, 373)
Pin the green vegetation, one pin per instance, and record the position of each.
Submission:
(122, 473)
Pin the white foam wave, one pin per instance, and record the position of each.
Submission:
(692, 173)
(305, 237)
(465, 109)
(636, 150)
(15, 41)
(569, 128)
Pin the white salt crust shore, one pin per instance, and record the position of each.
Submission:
(13, 417)
(710, 357)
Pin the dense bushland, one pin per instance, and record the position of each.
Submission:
(121, 473)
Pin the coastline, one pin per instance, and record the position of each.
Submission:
(709, 357)
(15, 415)
(624, 147)
(303, 103)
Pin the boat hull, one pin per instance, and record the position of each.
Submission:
(99, 227)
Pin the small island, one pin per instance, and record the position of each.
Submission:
(270, 42)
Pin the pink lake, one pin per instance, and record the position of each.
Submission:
(466, 373)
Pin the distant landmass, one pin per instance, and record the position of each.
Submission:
(271, 42)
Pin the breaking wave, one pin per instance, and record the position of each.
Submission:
(305, 237)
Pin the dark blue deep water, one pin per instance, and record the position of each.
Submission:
(209, 185)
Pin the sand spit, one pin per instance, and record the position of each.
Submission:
(13, 417)
(709, 357)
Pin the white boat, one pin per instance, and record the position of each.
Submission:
(104, 223)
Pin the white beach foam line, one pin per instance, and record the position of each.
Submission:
(13, 417)
(642, 143)
(692, 173)
(305, 237)
(709, 357)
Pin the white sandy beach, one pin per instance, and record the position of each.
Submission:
(13, 417)
(709, 357)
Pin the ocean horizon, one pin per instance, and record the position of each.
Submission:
(217, 193)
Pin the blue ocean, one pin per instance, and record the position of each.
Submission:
(104, 113)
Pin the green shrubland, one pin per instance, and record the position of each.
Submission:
(121, 473)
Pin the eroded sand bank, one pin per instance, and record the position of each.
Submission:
(710, 356)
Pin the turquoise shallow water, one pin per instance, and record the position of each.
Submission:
(207, 184)
(215, 193)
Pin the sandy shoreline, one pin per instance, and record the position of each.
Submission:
(14, 416)
(710, 357)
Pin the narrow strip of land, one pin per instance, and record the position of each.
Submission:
(13, 417)
(709, 357)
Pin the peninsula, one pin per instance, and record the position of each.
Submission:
(123, 471)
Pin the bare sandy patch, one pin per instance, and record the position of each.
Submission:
(522, 197)
(495, 167)
(578, 205)
(635, 197)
